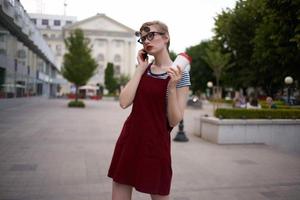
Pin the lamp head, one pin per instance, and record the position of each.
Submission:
(288, 80)
(210, 84)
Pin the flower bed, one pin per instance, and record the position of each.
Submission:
(242, 126)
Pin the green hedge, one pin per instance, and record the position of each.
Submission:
(221, 101)
(237, 113)
(280, 106)
(77, 104)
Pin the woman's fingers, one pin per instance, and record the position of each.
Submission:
(176, 73)
(141, 57)
(179, 69)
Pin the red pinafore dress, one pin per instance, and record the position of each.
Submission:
(142, 155)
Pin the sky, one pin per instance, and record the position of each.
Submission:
(189, 21)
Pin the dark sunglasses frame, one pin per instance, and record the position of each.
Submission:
(149, 36)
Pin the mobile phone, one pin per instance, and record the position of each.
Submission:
(144, 55)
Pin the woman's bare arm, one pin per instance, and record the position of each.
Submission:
(128, 92)
(176, 98)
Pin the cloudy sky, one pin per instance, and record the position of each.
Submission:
(189, 21)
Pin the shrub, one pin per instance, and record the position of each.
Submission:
(221, 101)
(77, 104)
(257, 113)
(279, 106)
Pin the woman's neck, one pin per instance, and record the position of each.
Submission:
(162, 59)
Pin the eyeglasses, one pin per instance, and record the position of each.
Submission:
(149, 36)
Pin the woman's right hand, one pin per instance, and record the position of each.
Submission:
(142, 63)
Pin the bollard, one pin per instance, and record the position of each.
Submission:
(181, 137)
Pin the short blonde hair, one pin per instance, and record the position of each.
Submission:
(162, 27)
(269, 99)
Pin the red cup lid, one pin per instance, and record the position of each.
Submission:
(186, 56)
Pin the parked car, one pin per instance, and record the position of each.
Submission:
(194, 101)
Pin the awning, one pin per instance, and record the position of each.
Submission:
(13, 85)
(89, 87)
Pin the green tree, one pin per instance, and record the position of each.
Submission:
(200, 72)
(172, 55)
(216, 61)
(234, 32)
(262, 37)
(276, 51)
(123, 80)
(110, 81)
(78, 64)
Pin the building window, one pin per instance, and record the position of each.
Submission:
(21, 53)
(100, 58)
(117, 70)
(2, 37)
(2, 52)
(45, 22)
(56, 22)
(45, 35)
(68, 22)
(33, 20)
(117, 58)
(100, 42)
(118, 43)
(58, 49)
(100, 69)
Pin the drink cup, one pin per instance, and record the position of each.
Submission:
(182, 60)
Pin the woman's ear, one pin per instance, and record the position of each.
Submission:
(166, 38)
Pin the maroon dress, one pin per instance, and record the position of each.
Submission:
(142, 156)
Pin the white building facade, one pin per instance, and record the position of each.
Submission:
(110, 40)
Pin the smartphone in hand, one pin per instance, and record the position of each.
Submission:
(144, 55)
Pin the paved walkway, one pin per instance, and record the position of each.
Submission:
(51, 152)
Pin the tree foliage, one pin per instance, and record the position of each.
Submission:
(172, 55)
(200, 72)
(234, 31)
(216, 60)
(110, 81)
(262, 37)
(78, 64)
(122, 80)
(276, 54)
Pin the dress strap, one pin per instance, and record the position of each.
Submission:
(148, 68)
(149, 65)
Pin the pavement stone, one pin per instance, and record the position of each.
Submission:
(51, 152)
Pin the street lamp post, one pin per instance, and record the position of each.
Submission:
(289, 80)
(210, 86)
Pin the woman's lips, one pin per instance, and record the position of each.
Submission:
(148, 48)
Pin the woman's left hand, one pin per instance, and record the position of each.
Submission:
(175, 76)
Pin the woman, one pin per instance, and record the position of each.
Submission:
(253, 103)
(270, 103)
(158, 93)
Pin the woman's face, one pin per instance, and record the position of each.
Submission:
(154, 40)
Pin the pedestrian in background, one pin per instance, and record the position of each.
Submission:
(239, 101)
(253, 103)
(270, 103)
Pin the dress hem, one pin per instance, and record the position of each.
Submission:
(137, 188)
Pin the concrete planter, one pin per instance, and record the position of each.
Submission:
(283, 133)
